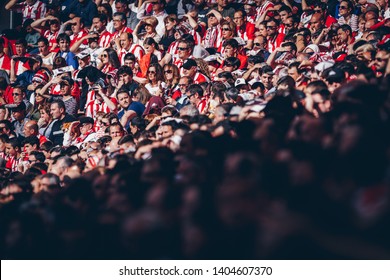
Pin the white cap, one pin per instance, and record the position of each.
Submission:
(322, 66)
(239, 82)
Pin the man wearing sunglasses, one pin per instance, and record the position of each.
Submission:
(381, 61)
(274, 38)
(322, 9)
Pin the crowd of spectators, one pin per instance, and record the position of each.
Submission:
(211, 129)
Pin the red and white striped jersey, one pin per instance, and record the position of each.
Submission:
(199, 78)
(212, 37)
(75, 37)
(12, 163)
(5, 62)
(107, 68)
(52, 38)
(20, 67)
(105, 39)
(95, 106)
(202, 105)
(246, 32)
(36, 11)
(90, 97)
(118, 33)
(263, 8)
(275, 42)
(135, 49)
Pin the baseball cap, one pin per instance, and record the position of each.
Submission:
(82, 54)
(239, 82)
(189, 63)
(334, 75)
(84, 120)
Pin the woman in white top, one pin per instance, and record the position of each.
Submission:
(155, 76)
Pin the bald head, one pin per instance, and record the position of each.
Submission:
(316, 22)
(30, 128)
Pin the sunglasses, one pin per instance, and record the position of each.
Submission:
(226, 29)
(270, 27)
(379, 59)
(151, 72)
(318, 11)
(74, 24)
(53, 22)
(105, 124)
(16, 94)
(104, 55)
(257, 44)
(343, 8)
(183, 85)
(182, 49)
(210, 15)
(168, 71)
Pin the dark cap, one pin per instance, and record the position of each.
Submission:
(189, 63)
(334, 75)
(67, 81)
(84, 120)
(18, 108)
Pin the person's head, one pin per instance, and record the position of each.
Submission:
(3, 140)
(63, 41)
(150, 45)
(77, 24)
(19, 112)
(110, 57)
(260, 43)
(194, 93)
(30, 143)
(119, 20)
(230, 47)
(150, 24)
(171, 74)
(61, 166)
(3, 112)
(155, 73)
(121, 6)
(344, 33)
(116, 130)
(231, 64)
(284, 13)
(43, 46)
(57, 109)
(170, 22)
(381, 60)
(222, 3)
(271, 26)
(5, 127)
(66, 85)
(345, 8)
(13, 147)
(212, 20)
(184, 49)
(294, 71)
(129, 60)
(263, 28)
(30, 128)
(184, 83)
(105, 9)
(126, 40)
(239, 18)
(190, 68)
(21, 47)
(124, 98)
(45, 114)
(228, 30)
(19, 94)
(86, 124)
(365, 53)
(266, 75)
(158, 5)
(36, 156)
(316, 22)
(99, 22)
(125, 74)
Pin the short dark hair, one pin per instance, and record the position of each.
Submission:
(194, 88)
(38, 155)
(59, 103)
(63, 37)
(32, 140)
(125, 70)
(44, 40)
(129, 56)
(231, 42)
